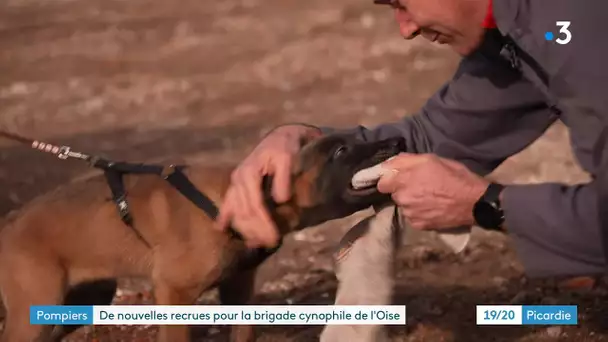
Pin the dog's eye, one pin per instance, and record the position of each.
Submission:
(340, 151)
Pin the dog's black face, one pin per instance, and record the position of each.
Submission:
(327, 166)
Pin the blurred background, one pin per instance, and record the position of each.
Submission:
(145, 80)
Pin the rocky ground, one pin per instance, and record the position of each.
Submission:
(148, 79)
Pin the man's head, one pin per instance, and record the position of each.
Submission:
(458, 23)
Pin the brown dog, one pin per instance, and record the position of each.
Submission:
(70, 246)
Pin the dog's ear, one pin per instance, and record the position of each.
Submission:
(304, 188)
(304, 195)
(305, 168)
(301, 159)
(305, 175)
(297, 165)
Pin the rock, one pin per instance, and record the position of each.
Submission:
(19, 88)
(435, 310)
(554, 331)
(367, 21)
(380, 76)
(522, 297)
(422, 254)
(14, 197)
(549, 301)
(324, 267)
(500, 281)
(474, 255)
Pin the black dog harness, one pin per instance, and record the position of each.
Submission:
(115, 171)
(174, 175)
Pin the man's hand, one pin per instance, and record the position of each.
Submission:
(432, 192)
(243, 207)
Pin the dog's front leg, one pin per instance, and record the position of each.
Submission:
(365, 273)
(166, 294)
(238, 290)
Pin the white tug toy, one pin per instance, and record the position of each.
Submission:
(456, 238)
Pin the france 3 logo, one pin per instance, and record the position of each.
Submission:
(563, 36)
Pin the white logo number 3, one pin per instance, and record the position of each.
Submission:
(564, 30)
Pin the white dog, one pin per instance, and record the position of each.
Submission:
(365, 263)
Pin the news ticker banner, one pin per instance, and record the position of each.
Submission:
(219, 315)
(285, 315)
(527, 315)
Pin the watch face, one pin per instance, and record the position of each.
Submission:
(487, 215)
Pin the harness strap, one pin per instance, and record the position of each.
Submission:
(114, 179)
(126, 168)
(174, 175)
(116, 184)
(182, 184)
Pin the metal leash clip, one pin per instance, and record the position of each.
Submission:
(65, 152)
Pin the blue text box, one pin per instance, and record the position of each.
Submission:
(61, 314)
(549, 315)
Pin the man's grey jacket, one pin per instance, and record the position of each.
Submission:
(502, 98)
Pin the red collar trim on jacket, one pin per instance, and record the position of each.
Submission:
(489, 21)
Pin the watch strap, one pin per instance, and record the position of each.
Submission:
(491, 198)
(492, 193)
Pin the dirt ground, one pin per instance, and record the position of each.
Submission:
(147, 79)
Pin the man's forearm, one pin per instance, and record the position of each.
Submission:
(555, 228)
(411, 128)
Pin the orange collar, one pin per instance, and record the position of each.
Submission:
(488, 21)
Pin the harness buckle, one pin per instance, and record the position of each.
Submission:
(167, 171)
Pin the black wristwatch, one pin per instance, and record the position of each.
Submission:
(488, 212)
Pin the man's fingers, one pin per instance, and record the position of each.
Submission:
(398, 168)
(244, 209)
(406, 161)
(243, 204)
(390, 180)
(246, 227)
(453, 164)
(281, 187)
(225, 211)
(253, 244)
(246, 218)
(241, 211)
(387, 183)
(266, 231)
(242, 216)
